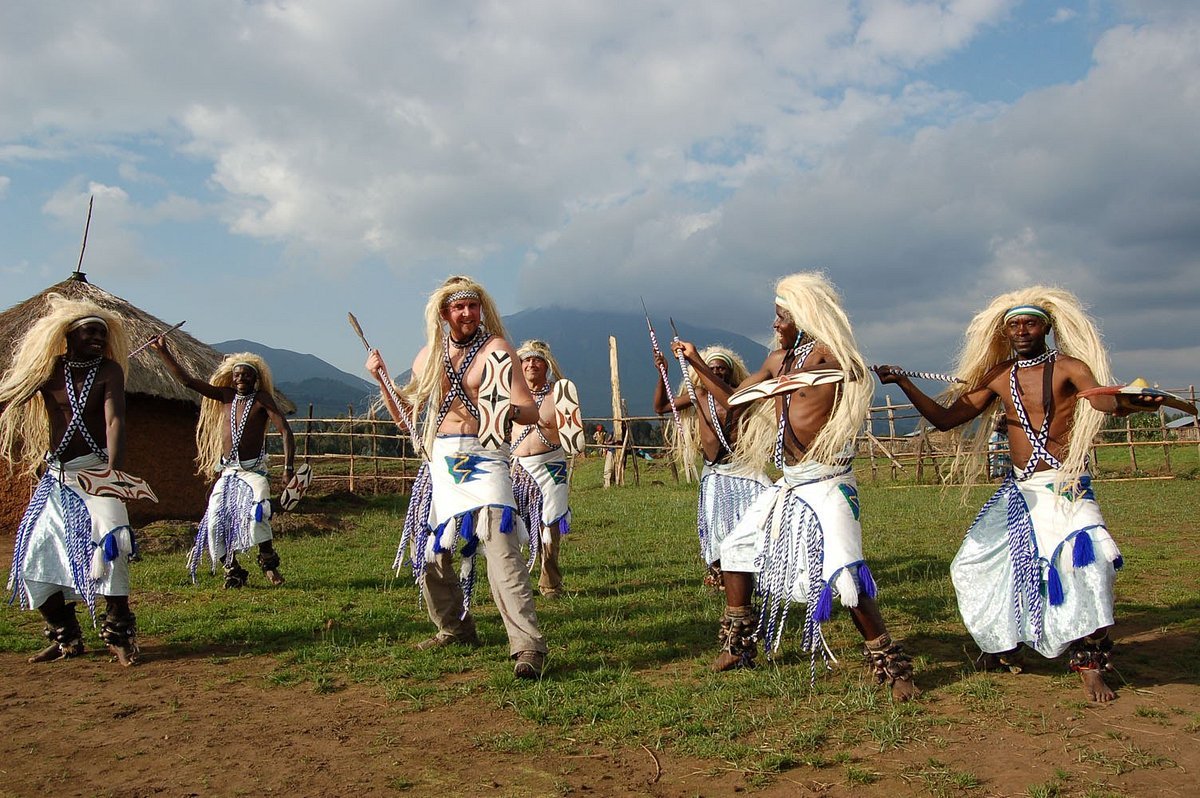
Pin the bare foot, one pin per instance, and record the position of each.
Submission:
(273, 576)
(1095, 687)
(56, 651)
(905, 690)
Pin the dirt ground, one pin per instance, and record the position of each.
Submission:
(181, 725)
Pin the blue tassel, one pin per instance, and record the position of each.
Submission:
(1054, 587)
(438, 548)
(466, 526)
(564, 526)
(824, 609)
(868, 581)
(506, 521)
(1117, 563)
(258, 512)
(110, 547)
(1083, 553)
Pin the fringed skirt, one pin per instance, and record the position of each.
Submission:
(1036, 567)
(238, 515)
(726, 492)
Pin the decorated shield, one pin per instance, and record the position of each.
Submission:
(296, 487)
(495, 391)
(110, 482)
(566, 413)
(786, 384)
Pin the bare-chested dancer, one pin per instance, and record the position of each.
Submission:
(1018, 581)
(802, 536)
(64, 408)
(726, 488)
(467, 486)
(238, 403)
(539, 469)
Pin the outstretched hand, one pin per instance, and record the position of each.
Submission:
(888, 375)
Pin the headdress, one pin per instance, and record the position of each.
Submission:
(985, 346)
(1027, 310)
(86, 320)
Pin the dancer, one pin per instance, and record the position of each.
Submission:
(462, 381)
(1018, 581)
(802, 536)
(231, 441)
(539, 469)
(712, 428)
(64, 406)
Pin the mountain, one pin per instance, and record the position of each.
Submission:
(306, 379)
(579, 340)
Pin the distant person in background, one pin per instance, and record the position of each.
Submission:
(711, 430)
(802, 537)
(605, 441)
(999, 463)
(1037, 567)
(63, 405)
(231, 441)
(540, 469)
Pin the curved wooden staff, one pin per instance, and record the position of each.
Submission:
(385, 383)
(662, 370)
(154, 338)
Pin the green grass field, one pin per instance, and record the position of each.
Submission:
(631, 643)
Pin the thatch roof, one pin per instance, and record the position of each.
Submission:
(147, 374)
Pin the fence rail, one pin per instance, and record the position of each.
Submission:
(370, 453)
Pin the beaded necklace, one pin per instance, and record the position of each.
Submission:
(77, 403)
(455, 376)
(1038, 439)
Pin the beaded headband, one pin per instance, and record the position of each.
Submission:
(525, 354)
(465, 293)
(86, 320)
(1028, 310)
(247, 365)
(728, 361)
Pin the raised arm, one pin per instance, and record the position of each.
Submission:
(201, 387)
(662, 402)
(378, 369)
(962, 410)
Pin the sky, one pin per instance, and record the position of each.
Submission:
(261, 168)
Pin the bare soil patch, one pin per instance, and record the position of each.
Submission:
(183, 724)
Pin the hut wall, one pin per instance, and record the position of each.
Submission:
(161, 435)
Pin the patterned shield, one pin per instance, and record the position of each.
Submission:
(495, 391)
(566, 412)
(110, 482)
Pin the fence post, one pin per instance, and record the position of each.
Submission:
(350, 422)
(891, 417)
(374, 452)
(1132, 450)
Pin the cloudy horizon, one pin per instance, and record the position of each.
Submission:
(261, 168)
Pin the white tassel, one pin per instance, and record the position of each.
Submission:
(847, 590)
(98, 567)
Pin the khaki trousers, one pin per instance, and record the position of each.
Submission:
(507, 577)
(550, 580)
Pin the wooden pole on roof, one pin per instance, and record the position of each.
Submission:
(79, 275)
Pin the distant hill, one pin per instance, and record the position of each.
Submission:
(579, 340)
(306, 379)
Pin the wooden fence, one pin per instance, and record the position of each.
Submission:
(367, 454)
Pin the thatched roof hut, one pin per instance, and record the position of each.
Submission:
(161, 414)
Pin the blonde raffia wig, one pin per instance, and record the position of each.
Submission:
(816, 308)
(24, 424)
(210, 429)
(540, 349)
(986, 345)
(425, 390)
(684, 449)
